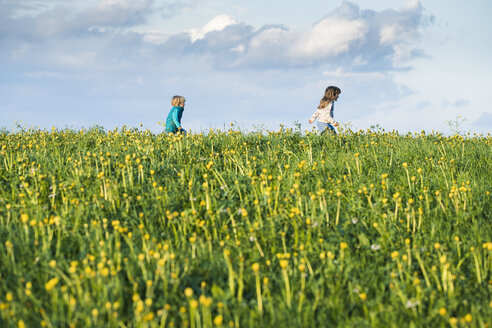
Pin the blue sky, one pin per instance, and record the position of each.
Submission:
(404, 65)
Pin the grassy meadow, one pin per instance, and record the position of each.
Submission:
(129, 228)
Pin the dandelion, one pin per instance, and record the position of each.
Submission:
(51, 284)
(24, 218)
(218, 320)
(188, 292)
(284, 264)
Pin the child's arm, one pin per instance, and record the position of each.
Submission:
(331, 121)
(176, 119)
(316, 114)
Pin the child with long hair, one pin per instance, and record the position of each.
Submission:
(326, 109)
(173, 121)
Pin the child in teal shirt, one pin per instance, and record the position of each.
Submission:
(173, 121)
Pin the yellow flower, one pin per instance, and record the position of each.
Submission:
(363, 296)
(149, 316)
(283, 263)
(24, 218)
(468, 317)
(56, 220)
(442, 311)
(255, 267)
(188, 292)
(140, 307)
(51, 283)
(394, 254)
(343, 245)
(218, 320)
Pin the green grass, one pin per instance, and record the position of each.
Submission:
(129, 228)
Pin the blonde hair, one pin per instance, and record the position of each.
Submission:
(330, 94)
(178, 101)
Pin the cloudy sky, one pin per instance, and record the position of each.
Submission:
(405, 65)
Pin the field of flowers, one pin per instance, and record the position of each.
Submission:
(129, 228)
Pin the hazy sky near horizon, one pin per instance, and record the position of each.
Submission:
(405, 65)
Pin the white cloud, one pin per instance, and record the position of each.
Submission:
(218, 23)
(114, 13)
(156, 37)
(330, 37)
(63, 21)
(359, 39)
(389, 33)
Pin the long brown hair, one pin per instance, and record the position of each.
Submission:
(330, 94)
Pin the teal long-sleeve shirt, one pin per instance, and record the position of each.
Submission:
(173, 121)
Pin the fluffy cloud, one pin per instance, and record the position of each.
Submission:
(219, 23)
(357, 39)
(63, 21)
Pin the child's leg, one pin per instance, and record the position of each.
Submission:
(332, 129)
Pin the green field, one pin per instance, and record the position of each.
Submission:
(129, 228)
